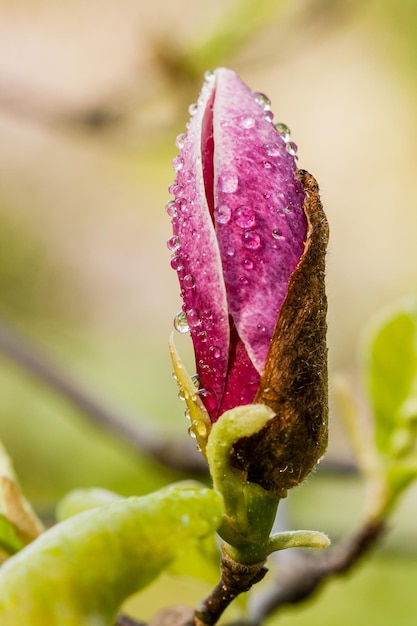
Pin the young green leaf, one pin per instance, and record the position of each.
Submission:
(10, 543)
(390, 369)
(81, 570)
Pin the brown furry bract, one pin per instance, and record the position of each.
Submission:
(294, 382)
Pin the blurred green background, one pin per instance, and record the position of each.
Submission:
(92, 95)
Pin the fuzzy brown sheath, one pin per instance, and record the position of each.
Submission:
(294, 382)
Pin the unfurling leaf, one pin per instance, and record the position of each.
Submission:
(390, 371)
(80, 571)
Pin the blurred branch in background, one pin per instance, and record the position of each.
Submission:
(301, 574)
(183, 63)
(136, 433)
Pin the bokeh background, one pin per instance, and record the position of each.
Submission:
(92, 95)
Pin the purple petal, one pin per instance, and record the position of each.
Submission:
(262, 226)
(197, 260)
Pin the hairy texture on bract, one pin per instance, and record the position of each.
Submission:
(294, 383)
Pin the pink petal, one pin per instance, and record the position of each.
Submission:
(255, 186)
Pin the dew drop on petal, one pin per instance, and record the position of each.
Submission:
(292, 148)
(173, 243)
(171, 208)
(193, 318)
(174, 189)
(268, 115)
(230, 252)
(262, 100)
(248, 264)
(271, 149)
(247, 121)
(209, 398)
(202, 336)
(176, 263)
(178, 163)
(277, 233)
(181, 323)
(180, 140)
(181, 394)
(283, 131)
(192, 109)
(188, 281)
(200, 428)
(222, 214)
(209, 75)
(251, 240)
(187, 414)
(228, 182)
(267, 165)
(192, 433)
(216, 352)
(245, 217)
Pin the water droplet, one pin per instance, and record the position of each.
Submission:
(208, 314)
(277, 233)
(209, 398)
(251, 240)
(222, 214)
(216, 352)
(262, 329)
(268, 116)
(248, 264)
(187, 414)
(245, 217)
(181, 323)
(209, 75)
(196, 381)
(230, 252)
(181, 394)
(192, 433)
(192, 109)
(202, 336)
(174, 189)
(188, 281)
(199, 428)
(178, 163)
(193, 318)
(247, 121)
(173, 243)
(271, 149)
(292, 148)
(171, 208)
(228, 182)
(267, 165)
(176, 263)
(283, 131)
(181, 205)
(262, 100)
(180, 140)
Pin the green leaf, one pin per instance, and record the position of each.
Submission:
(9, 540)
(81, 500)
(390, 371)
(81, 570)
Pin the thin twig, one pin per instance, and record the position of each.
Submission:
(236, 578)
(134, 430)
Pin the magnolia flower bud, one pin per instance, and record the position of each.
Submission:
(248, 244)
